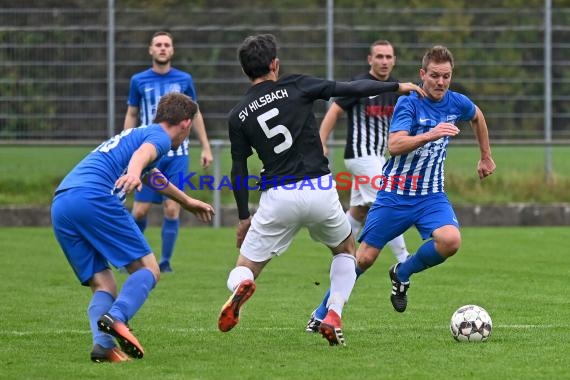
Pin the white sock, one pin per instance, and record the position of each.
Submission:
(398, 247)
(343, 276)
(354, 224)
(237, 275)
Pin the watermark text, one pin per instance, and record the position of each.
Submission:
(341, 180)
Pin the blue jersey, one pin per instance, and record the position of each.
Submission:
(146, 89)
(101, 168)
(421, 171)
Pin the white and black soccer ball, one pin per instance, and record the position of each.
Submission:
(471, 323)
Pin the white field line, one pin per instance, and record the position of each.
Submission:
(272, 328)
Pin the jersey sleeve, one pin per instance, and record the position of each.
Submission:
(160, 140)
(134, 99)
(403, 117)
(466, 106)
(315, 88)
(346, 103)
(363, 87)
(240, 147)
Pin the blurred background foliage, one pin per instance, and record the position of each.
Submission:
(54, 55)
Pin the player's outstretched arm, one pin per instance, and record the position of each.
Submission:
(407, 87)
(131, 117)
(486, 166)
(199, 126)
(157, 181)
(202, 210)
(369, 87)
(140, 159)
(328, 124)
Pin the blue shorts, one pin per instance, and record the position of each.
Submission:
(94, 229)
(175, 168)
(392, 214)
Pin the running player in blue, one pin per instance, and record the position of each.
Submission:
(94, 228)
(146, 88)
(412, 193)
(275, 118)
(368, 122)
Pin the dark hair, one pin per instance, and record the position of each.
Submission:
(437, 54)
(382, 43)
(161, 33)
(175, 107)
(256, 53)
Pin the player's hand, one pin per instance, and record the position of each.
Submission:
(242, 228)
(206, 158)
(326, 150)
(407, 87)
(202, 210)
(443, 130)
(486, 167)
(128, 182)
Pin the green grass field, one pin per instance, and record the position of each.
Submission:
(520, 275)
(28, 175)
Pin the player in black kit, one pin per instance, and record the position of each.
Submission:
(276, 119)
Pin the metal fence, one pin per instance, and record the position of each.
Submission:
(65, 70)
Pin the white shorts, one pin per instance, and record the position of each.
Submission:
(370, 167)
(284, 210)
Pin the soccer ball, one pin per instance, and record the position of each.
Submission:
(471, 323)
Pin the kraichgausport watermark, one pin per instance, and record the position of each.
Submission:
(341, 181)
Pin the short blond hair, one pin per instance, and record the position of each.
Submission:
(437, 54)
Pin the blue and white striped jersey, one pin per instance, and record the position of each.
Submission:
(421, 171)
(146, 89)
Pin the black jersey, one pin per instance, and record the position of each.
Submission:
(368, 121)
(276, 119)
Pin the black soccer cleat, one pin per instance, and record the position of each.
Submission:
(398, 297)
(165, 267)
(313, 324)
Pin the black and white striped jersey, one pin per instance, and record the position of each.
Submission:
(368, 121)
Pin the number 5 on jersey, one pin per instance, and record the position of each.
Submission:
(277, 130)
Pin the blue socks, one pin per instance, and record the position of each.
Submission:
(425, 257)
(169, 236)
(142, 224)
(100, 303)
(321, 311)
(133, 294)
